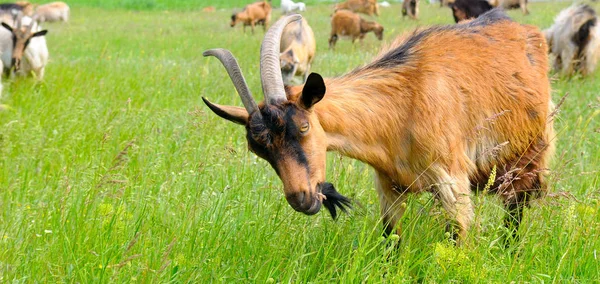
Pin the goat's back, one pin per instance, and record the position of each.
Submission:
(459, 78)
(345, 22)
(300, 32)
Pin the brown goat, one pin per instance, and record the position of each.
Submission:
(510, 4)
(297, 48)
(209, 9)
(53, 12)
(410, 8)
(347, 23)
(436, 112)
(368, 7)
(253, 14)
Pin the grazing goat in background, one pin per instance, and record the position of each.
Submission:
(436, 112)
(253, 14)
(347, 23)
(52, 12)
(368, 7)
(410, 8)
(289, 6)
(574, 40)
(209, 9)
(511, 4)
(297, 48)
(468, 9)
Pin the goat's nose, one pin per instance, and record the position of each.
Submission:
(296, 199)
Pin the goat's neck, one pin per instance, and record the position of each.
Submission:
(363, 121)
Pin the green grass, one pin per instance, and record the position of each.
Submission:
(113, 170)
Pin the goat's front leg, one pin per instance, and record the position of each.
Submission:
(392, 204)
(455, 194)
(39, 73)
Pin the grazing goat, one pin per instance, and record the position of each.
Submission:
(574, 40)
(209, 9)
(438, 111)
(368, 7)
(468, 9)
(297, 48)
(52, 12)
(20, 39)
(410, 8)
(510, 4)
(347, 23)
(253, 14)
(289, 6)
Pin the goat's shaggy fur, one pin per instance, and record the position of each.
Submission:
(574, 40)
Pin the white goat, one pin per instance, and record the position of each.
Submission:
(289, 6)
(30, 45)
(574, 40)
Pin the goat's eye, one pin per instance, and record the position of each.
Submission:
(304, 128)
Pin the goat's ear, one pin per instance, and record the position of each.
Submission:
(313, 91)
(238, 115)
(40, 33)
(7, 26)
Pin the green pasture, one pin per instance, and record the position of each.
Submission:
(113, 170)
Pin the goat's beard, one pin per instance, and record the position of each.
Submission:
(334, 199)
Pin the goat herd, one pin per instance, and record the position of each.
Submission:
(572, 40)
(22, 44)
(446, 109)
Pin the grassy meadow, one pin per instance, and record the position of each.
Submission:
(113, 170)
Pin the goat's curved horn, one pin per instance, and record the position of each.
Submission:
(235, 73)
(270, 69)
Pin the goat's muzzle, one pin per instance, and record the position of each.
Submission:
(304, 202)
(310, 203)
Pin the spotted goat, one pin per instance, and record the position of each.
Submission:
(410, 8)
(574, 40)
(426, 118)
